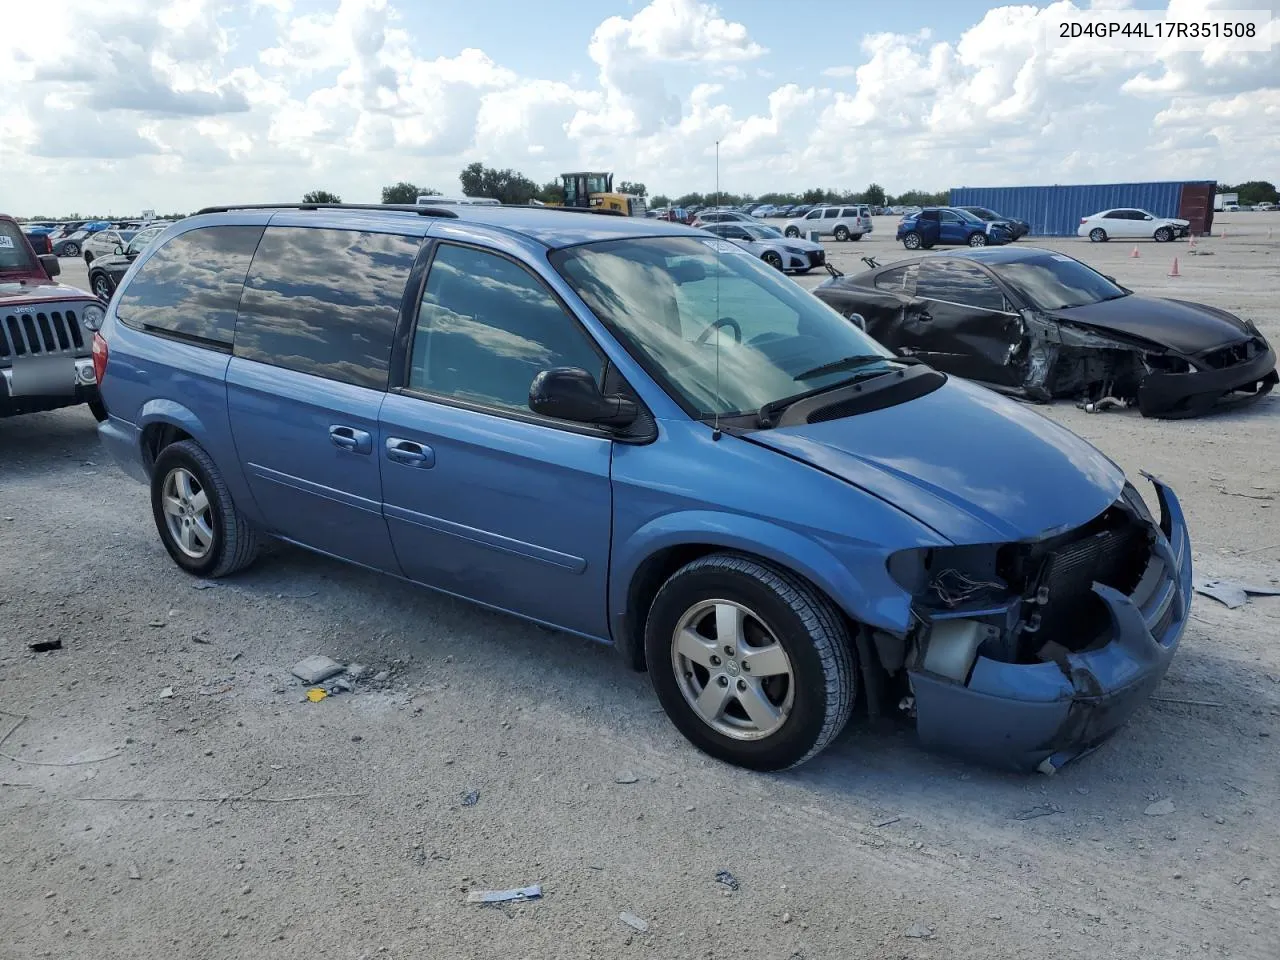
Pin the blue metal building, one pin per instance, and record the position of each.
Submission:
(1055, 211)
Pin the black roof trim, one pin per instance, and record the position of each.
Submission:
(423, 211)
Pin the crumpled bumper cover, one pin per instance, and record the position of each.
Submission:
(1176, 395)
(1040, 716)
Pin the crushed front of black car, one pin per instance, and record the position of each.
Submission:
(1233, 375)
(1028, 655)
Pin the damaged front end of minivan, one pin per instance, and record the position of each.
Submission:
(1027, 655)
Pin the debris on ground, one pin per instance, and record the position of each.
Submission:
(1232, 593)
(357, 671)
(203, 585)
(316, 669)
(134, 872)
(44, 646)
(1041, 810)
(919, 931)
(316, 694)
(471, 798)
(626, 776)
(1160, 808)
(519, 894)
(166, 693)
(727, 879)
(634, 922)
(382, 676)
(886, 821)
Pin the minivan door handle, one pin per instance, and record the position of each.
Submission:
(349, 438)
(410, 452)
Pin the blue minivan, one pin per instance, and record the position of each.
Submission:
(633, 431)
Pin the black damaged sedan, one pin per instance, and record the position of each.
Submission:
(1041, 325)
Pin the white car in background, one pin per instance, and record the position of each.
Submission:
(104, 243)
(844, 223)
(1129, 223)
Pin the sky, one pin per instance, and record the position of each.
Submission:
(116, 106)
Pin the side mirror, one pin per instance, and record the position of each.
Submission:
(50, 263)
(570, 393)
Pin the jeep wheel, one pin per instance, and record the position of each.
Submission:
(842, 233)
(101, 286)
(198, 522)
(912, 241)
(751, 663)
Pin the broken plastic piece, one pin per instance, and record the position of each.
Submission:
(44, 646)
(727, 879)
(1232, 593)
(519, 894)
(471, 798)
(316, 694)
(634, 922)
(316, 669)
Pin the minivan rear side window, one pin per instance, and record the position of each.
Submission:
(325, 302)
(190, 287)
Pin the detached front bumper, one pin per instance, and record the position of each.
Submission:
(1041, 716)
(1174, 396)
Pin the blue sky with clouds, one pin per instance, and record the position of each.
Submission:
(127, 104)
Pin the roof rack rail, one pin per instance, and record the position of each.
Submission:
(424, 211)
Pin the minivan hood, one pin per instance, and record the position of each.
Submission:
(1186, 327)
(971, 464)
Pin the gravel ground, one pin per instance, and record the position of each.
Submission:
(144, 829)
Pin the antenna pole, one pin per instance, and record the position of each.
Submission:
(715, 432)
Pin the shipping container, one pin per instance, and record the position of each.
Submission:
(1056, 211)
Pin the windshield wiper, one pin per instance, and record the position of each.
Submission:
(767, 415)
(850, 363)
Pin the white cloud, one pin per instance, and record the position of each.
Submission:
(205, 100)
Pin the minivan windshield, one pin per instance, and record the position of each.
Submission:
(1057, 282)
(687, 307)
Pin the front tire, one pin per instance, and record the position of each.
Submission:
(977, 239)
(913, 241)
(1098, 235)
(772, 259)
(751, 663)
(1164, 235)
(101, 287)
(199, 524)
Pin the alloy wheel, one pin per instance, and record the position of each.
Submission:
(732, 670)
(187, 513)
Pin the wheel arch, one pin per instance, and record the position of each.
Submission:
(657, 550)
(164, 422)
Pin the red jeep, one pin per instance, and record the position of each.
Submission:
(46, 332)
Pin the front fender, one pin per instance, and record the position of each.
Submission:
(854, 576)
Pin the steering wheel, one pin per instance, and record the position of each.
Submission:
(722, 322)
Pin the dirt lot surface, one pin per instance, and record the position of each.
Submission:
(177, 797)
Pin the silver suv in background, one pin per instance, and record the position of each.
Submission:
(850, 222)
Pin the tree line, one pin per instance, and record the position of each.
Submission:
(1253, 191)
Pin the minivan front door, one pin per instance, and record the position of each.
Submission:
(483, 498)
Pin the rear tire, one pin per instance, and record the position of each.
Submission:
(71, 250)
(855, 237)
(799, 695)
(1098, 235)
(913, 241)
(842, 233)
(791, 232)
(221, 539)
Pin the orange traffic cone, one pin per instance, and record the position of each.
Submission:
(1135, 255)
(1222, 234)
(1174, 271)
(1192, 244)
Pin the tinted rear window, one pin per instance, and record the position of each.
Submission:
(325, 302)
(14, 254)
(191, 286)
